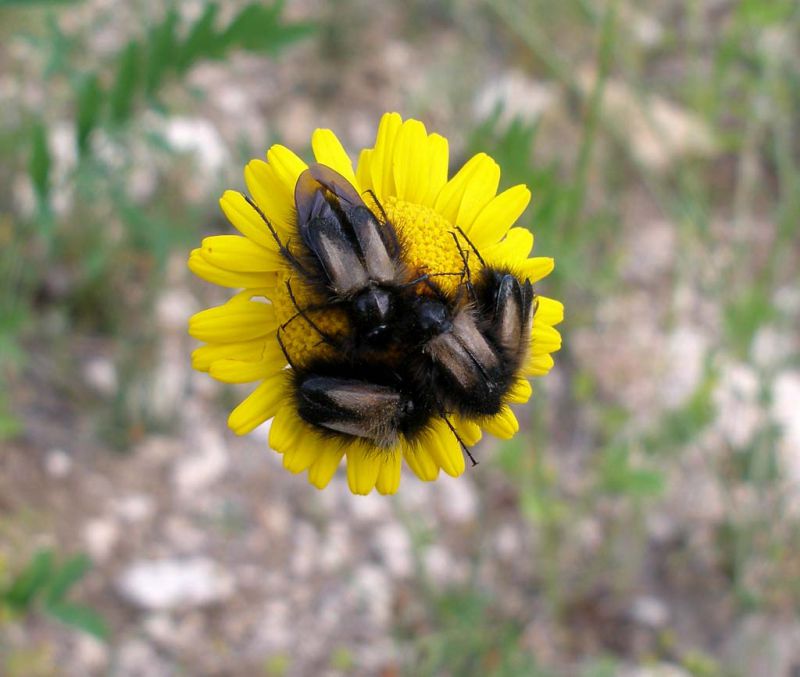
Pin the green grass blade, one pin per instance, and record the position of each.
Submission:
(90, 101)
(123, 92)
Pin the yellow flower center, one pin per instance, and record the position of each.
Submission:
(428, 246)
(427, 240)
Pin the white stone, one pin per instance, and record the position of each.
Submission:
(58, 463)
(684, 363)
(416, 497)
(518, 95)
(394, 544)
(736, 399)
(785, 411)
(165, 391)
(441, 567)
(274, 631)
(335, 548)
(137, 658)
(204, 464)
(101, 374)
(305, 550)
(457, 499)
(650, 611)
(184, 535)
(90, 654)
(772, 347)
(174, 583)
(658, 131)
(370, 508)
(787, 300)
(174, 309)
(101, 536)
(372, 590)
(199, 136)
(135, 507)
(507, 542)
(658, 670)
(651, 251)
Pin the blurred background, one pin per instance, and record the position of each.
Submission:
(645, 521)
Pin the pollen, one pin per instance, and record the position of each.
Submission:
(428, 241)
(302, 341)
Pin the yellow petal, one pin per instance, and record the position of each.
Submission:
(273, 197)
(504, 425)
(286, 429)
(238, 371)
(421, 462)
(520, 392)
(260, 405)
(233, 322)
(544, 339)
(248, 351)
(536, 268)
(255, 292)
(438, 158)
(445, 449)
(469, 431)
(239, 254)
(389, 476)
(246, 219)
(324, 468)
(548, 311)
(287, 166)
(227, 278)
(363, 466)
(382, 154)
(469, 191)
(410, 162)
(301, 456)
(497, 217)
(328, 151)
(512, 249)
(364, 170)
(539, 365)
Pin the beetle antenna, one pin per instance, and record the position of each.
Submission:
(378, 204)
(283, 349)
(327, 338)
(282, 248)
(460, 441)
(465, 272)
(471, 246)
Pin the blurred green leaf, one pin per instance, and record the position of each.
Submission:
(25, 587)
(123, 91)
(161, 48)
(90, 100)
(39, 165)
(511, 145)
(678, 428)
(10, 425)
(760, 13)
(80, 617)
(66, 576)
(202, 40)
(259, 29)
(618, 477)
(745, 314)
(33, 3)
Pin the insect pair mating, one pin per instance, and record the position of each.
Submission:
(414, 352)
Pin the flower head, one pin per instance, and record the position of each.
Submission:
(263, 335)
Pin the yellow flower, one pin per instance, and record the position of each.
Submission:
(407, 172)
